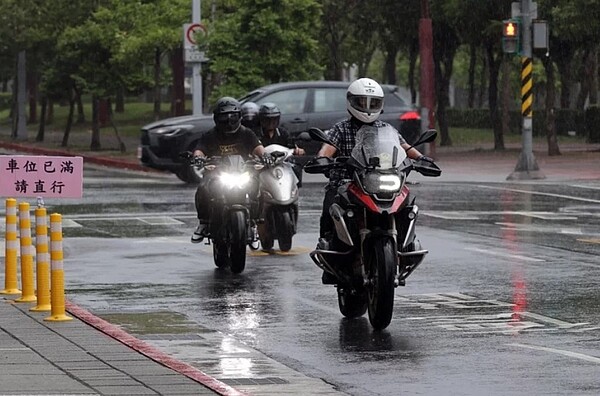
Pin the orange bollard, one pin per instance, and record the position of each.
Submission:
(28, 294)
(10, 249)
(42, 261)
(57, 276)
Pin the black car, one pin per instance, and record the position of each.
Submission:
(303, 105)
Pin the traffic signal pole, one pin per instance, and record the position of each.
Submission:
(527, 167)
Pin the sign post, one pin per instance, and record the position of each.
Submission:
(194, 56)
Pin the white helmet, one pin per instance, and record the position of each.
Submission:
(364, 99)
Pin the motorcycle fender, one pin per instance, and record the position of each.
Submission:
(410, 231)
(341, 229)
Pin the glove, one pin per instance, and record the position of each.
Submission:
(267, 160)
(199, 161)
(426, 159)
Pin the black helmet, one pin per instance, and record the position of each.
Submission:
(249, 114)
(269, 116)
(227, 115)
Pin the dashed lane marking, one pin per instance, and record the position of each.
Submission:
(505, 255)
(563, 352)
(569, 197)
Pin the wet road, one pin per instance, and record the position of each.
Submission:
(506, 303)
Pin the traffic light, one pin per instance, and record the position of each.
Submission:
(511, 32)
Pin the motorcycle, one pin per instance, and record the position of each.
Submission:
(374, 248)
(279, 198)
(233, 188)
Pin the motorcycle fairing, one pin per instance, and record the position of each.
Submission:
(377, 206)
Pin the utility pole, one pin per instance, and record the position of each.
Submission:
(426, 86)
(196, 68)
(527, 167)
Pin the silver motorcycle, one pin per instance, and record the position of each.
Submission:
(279, 200)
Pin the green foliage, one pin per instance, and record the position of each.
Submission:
(264, 41)
(592, 120)
(5, 100)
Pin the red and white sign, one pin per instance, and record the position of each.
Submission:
(191, 50)
(41, 176)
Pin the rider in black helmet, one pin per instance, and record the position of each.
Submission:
(228, 137)
(269, 116)
(250, 116)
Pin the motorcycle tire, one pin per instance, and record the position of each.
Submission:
(352, 304)
(381, 273)
(285, 231)
(266, 240)
(238, 240)
(221, 254)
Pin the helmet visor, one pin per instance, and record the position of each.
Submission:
(366, 104)
(228, 118)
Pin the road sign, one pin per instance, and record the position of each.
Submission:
(191, 51)
(41, 176)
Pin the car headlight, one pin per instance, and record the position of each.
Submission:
(173, 130)
(231, 180)
(375, 182)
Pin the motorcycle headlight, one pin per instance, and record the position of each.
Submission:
(231, 180)
(375, 182)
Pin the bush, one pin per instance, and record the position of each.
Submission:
(592, 124)
(5, 100)
(566, 120)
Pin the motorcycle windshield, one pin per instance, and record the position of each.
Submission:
(378, 145)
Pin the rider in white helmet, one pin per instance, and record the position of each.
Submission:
(364, 101)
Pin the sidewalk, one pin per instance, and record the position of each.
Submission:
(87, 356)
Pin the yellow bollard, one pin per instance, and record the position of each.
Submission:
(10, 250)
(27, 281)
(57, 276)
(42, 261)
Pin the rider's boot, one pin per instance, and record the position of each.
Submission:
(200, 232)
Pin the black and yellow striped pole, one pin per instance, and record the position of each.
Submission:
(527, 167)
(526, 87)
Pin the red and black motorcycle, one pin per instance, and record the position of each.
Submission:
(374, 248)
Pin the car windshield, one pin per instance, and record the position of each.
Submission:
(382, 143)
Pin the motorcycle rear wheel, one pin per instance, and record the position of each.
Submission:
(352, 304)
(238, 240)
(381, 273)
(220, 254)
(285, 231)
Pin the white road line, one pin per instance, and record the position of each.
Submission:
(575, 355)
(584, 186)
(451, 215)
(542, 193)
(506, 255)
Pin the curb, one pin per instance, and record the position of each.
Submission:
(151, 352)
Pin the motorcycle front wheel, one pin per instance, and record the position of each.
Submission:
(238, 240)
(381, 273)
(352, 304)
(285, 230)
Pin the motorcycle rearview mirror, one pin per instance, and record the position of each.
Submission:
(186, 155)
(304, 137)
(426, 137)
(319, 136)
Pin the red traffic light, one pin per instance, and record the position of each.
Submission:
(510, 29)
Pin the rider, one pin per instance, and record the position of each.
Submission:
(228, 137)
(250, 116)
(364, 101)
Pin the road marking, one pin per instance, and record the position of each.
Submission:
(537, 228)
(563, 352)
(505, 255)
(590, 240)
(541, 193)
(584, 186)
(159, 220)
(451, 215)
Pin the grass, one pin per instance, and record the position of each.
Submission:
(473, 137)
